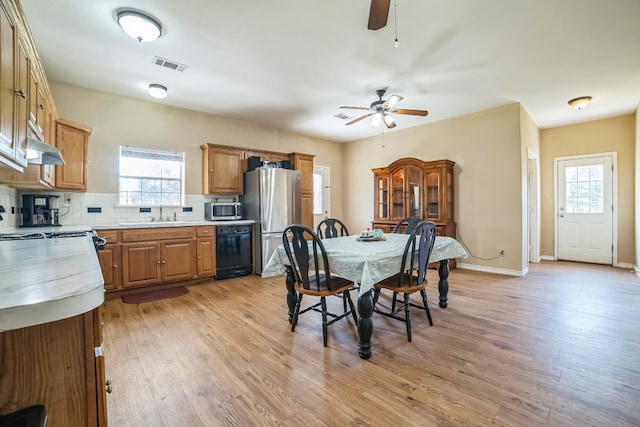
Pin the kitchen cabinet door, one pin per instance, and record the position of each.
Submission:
(72, 140)
(8, 37)
(222, 170)
(206, 253)
(141, 264)
(109, 259)
(178, 260)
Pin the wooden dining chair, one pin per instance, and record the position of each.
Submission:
(308, 258)
(412, 275)
(332, 227)
(406, 225)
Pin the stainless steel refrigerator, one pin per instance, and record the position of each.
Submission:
(272, 197)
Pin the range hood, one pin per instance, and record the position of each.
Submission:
(39, 153)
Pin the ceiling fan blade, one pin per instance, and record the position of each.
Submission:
(388, 121)
(358, 119)
(357, 108)
(378, 14)
(393, 100)
(410, 112)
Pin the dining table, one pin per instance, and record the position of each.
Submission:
(366, 262)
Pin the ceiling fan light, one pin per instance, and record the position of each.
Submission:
(376, 119)
(580, 103)
(157, 91)
(139, 25)
(388, 120)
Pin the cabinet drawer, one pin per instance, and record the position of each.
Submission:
(112, 236)
(160, 233)
(205, 231)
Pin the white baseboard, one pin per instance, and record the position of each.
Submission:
(547, 257)
(504, 271)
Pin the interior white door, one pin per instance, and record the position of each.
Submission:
(321, 193)
(585, 209)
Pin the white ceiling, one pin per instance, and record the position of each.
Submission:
(291, 63)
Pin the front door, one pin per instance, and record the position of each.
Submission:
(585, 209)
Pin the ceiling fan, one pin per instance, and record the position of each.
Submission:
(380, 110)
(378, 14)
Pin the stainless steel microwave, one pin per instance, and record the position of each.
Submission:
(222, 211)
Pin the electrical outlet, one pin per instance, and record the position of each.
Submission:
(67, 198)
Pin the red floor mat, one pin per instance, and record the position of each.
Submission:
(155, 295)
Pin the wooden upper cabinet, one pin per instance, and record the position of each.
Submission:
(222, 170)
(304, 164)
(36, 103)
(72, 139)
(8, 38)
(21, 104)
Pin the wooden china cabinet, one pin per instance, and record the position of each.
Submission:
(412, 187)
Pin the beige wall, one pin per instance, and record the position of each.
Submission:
(637, 188)
(486, 147)
(119, 120)
(530, 139)
(616, 134)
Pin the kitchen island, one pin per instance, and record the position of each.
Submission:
(51, 292)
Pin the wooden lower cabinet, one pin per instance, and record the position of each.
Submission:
(59, 365)
(178, 260)
(110, 259)
(141, 257)
(206, 251)
(140, 264)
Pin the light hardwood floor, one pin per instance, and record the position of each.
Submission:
(557, 347)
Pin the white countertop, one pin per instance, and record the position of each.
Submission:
(45, 280)
(156, 224)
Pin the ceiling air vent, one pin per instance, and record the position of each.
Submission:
(170, 64)
(343, 116)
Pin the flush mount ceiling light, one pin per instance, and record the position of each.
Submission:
(157, 91)
(580, 103)
(139, 25)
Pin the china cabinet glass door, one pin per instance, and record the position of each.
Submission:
(382, 190)
(397, 195)
(433, 198)
(414, 192)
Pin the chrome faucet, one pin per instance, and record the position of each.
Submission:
(159, 217)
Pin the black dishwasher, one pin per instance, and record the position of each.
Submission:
(234, 254)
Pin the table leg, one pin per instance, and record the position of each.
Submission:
(365, 324)
(291, 292)
(443, 283)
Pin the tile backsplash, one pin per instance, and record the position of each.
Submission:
(100, 208)
(8, 198)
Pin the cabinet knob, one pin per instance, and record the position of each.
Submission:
(115, 265)
(21, 93)
(41, 106)
(158, 262)
(164, 262)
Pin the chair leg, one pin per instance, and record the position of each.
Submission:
(393, 302)
(426, 306)
(296, 312)
(376, 295)
(347, 297)
(407, 315)
(323, 302)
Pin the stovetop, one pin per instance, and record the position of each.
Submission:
(44, 235)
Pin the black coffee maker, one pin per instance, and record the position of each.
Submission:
(39, 210)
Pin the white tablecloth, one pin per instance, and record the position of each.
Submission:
(367, 262)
